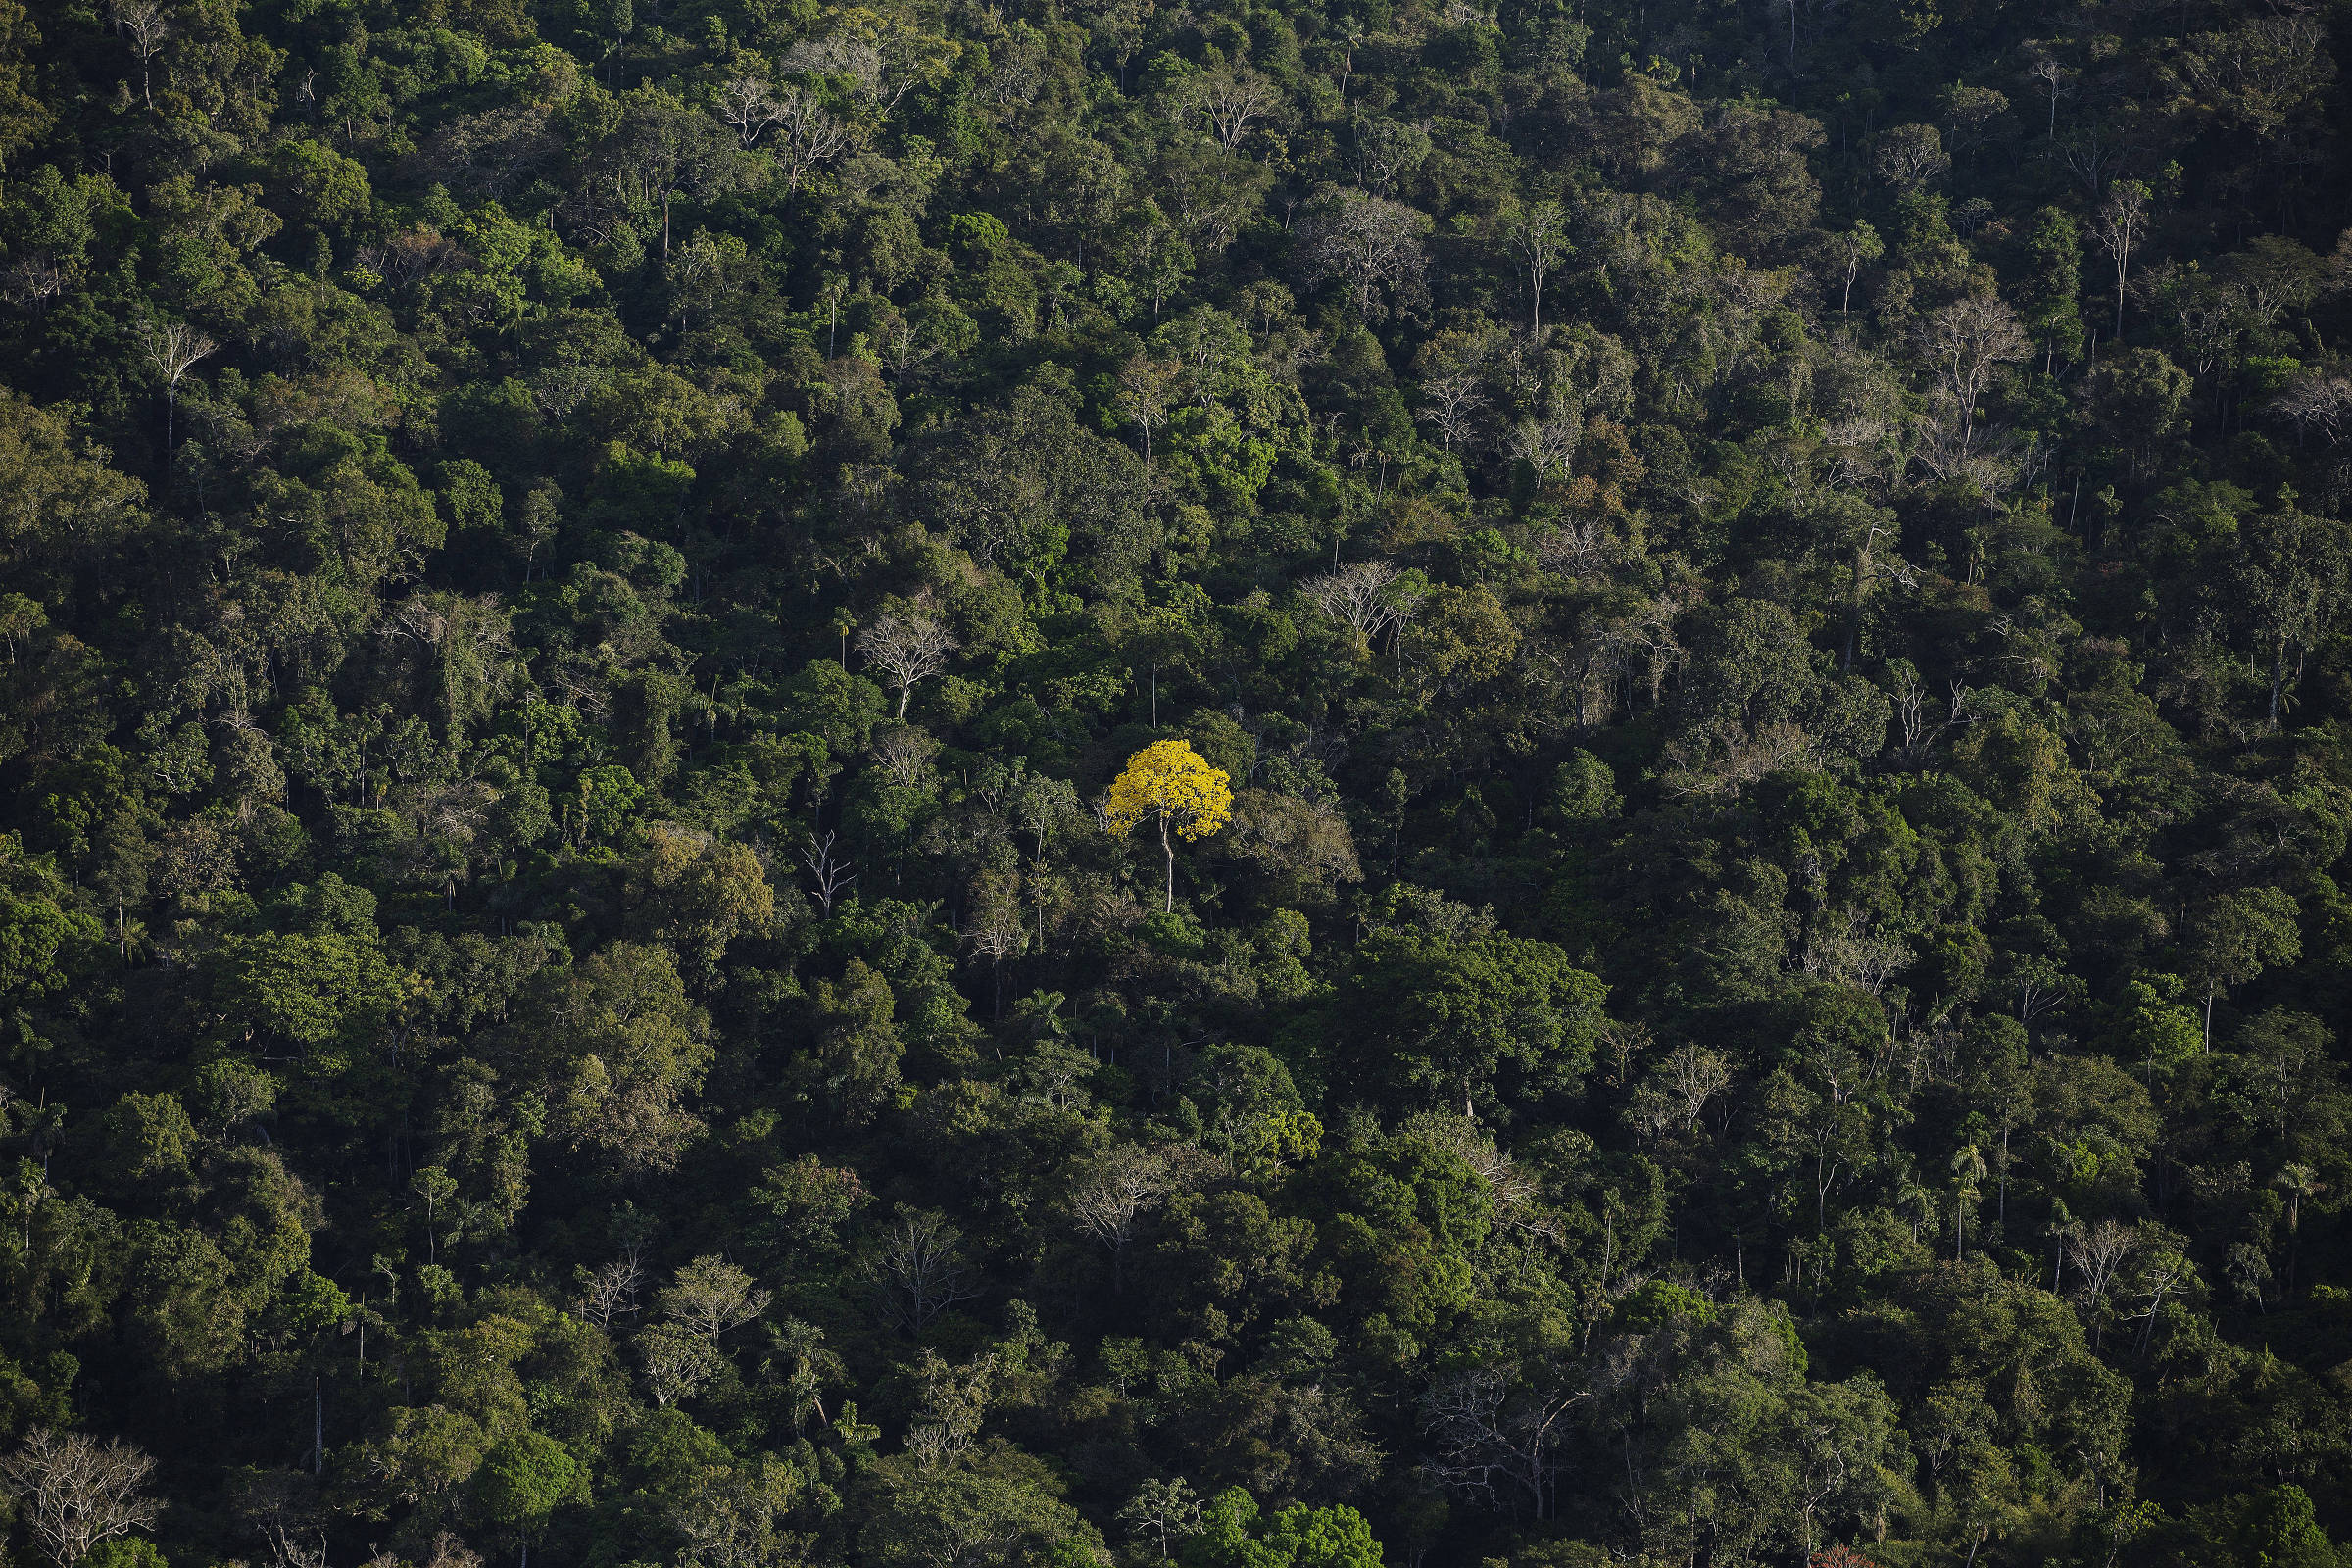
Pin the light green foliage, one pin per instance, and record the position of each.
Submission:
(1237, 1534)
(522, 1479)
(1742, 613)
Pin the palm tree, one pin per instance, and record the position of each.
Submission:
(2298, 1182)
(2062, 1220)
(1968, 1169)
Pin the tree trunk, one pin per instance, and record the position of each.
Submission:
(1168, 848)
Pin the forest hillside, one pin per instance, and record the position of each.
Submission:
(1263, 783)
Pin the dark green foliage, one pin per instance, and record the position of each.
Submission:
(1767, 582)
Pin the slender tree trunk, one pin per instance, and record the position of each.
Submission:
(1168, 848)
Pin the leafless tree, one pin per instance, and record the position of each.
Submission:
(1942, 444)
(1549, 444)
(1368, 243)
(951, 1403)
(1538, 235)
(1502, 1433)
(490, 153)
(1163, 1513)
(712, 1295)
(1617, 645)
(611, 1290)
(2095, 1253)
(1125, 1184)
(2094, 154)
(1843, 945)
(1910, 697)
(1582, 544)
(919, 1268)
(1909, 155)
(1230, 99)
(905, 754)
(33, 280)
(1857, 451)
(839, 55)
(812, 136)
(1848, 250)
(145, 27)
(2118, 225)
(1362, 596)
(677, 1361)
(908, 647)
(448, 1552)
(996, 927)
(1965, 339)
(75, 1492)
(288, 1549)
(2159, 1272)
(174, 349)
(2322, 402)
(2045, 69)
(749, 105)
(1453, 401)
(830, 869)
(733, 1520)
(1147, 389)
(1689, 1077)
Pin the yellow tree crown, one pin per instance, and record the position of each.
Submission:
(1169, 780)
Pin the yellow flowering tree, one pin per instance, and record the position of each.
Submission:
(1170, 781)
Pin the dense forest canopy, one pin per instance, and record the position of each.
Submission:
(1272, 783)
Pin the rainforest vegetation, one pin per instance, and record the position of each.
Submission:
(1256, 783)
